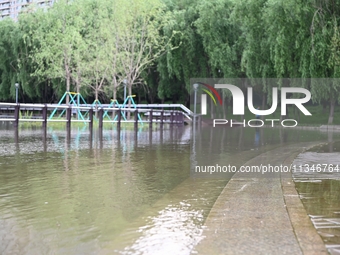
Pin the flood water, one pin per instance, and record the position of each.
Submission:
(320, 191)
(117, 193)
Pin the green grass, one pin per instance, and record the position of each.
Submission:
(318, 116)
(62, 125)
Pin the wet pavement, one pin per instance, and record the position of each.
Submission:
(261, 213)
(319, 191)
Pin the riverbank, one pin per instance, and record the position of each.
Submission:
(261, 214)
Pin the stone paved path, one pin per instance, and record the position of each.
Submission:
(261, 214)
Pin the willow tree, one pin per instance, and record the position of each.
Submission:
(8, 59)
(112, 40)
(221, 37)
(325, 60)
(189, 59)
(222, 42)
(287, 27)
(256, 62)
(138, 40)
(57, 42)
(94, 65)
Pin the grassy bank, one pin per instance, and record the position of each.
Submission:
(319, 117)
(80, 124)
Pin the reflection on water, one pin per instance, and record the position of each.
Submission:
(117, 192)
(112, 192)
(179, 222)
(177, 226)
(319, 190)
(65, 197)
(231, 145)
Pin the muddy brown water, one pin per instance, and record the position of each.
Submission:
(117, 193)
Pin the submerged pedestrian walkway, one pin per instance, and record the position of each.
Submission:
(261, 213)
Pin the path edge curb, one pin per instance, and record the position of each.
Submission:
(309, 240)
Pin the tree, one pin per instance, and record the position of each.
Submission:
(8, 59)
(138, 24)
(324, 61)
(287, 24)
(188, 60)
(58, 42)
(222, 42)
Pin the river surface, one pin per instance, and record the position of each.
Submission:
(118, 193)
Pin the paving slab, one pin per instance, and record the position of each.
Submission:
(261, 213)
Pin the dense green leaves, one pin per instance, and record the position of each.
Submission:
(91, 46)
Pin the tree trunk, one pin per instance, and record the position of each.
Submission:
(96, 105)
(45, 91)
(129, 105)
(114, 92)
(331, 111)
(78, 99)
(68, 88)
(68, 81)
(151, 97)
(114, 97)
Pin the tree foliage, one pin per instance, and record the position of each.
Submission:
(91, 46)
